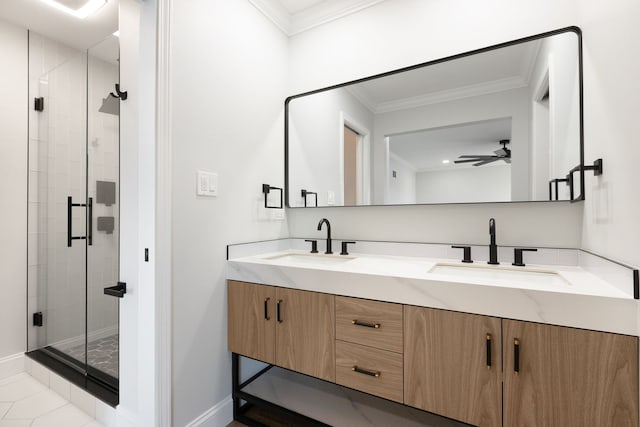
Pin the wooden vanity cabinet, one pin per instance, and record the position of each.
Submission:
(251, 320)
(568, 377)
(481, 370)
(452, 365)
(305, 333)
(285, 327)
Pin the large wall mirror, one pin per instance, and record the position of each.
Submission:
(499, 124)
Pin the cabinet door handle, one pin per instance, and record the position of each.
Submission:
(357, 322)
(266, 309)
(366, 371)
(278, 315)
(488, 341)
(516, 355)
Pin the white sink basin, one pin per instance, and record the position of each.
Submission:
(309, 259)
(501, 275)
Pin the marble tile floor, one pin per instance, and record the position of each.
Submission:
(25, 402)
(103, 354)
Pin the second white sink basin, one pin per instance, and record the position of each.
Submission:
(501, 275)
(309, 259)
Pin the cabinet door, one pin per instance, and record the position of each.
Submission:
(569, 377)
(305, 333)
(448, 369)
(252, 320)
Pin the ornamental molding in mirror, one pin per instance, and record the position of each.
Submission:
(497, 124)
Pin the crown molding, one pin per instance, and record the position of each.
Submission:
(322, 13)
(479, 89)
(275, 12)
(484, 88)
(327, 11)
(361, 95)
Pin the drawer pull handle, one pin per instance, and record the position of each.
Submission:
(365, 324)
(488, 351)
(516, 356)
(266, 309)
(366, 372)
(278, 314)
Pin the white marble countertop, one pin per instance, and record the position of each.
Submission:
(575, 297)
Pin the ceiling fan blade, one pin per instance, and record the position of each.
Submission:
(501, 152)
(484, 162)
(468, 160)
(477, 156)
(507, 160)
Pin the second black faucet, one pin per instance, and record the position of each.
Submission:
(493, 247)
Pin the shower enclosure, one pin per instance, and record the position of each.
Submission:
(74, 207)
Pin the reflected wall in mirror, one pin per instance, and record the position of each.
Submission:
(500, 124)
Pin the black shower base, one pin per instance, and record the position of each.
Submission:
(99, 389)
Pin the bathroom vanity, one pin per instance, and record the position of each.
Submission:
(461, 345)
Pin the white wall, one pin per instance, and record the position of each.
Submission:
(505, 104)
(228, 65)
(13, 189)
(402, 187)
(607, 222)
(471, 184)
(611, 87)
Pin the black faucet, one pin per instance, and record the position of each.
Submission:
(493, 248)
(326, 221)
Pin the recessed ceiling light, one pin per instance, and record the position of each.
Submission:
(84, 9)
(445, 161)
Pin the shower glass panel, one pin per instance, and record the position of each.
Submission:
(103, 119)
(74, 209)
(62, 153)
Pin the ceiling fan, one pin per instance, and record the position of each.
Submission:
(481, 159)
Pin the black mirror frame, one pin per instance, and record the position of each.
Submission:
(579, 168)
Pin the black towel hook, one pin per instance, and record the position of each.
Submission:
(122, 95)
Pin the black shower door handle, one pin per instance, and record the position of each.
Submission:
(89, 207)
(116, 291)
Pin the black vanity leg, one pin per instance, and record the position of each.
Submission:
(235, 383)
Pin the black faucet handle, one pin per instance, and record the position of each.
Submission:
(466, 254)
(344, 247)
(517, 256)
(314, 245)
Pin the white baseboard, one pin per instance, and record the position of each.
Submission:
(218, 415)
(12, 365)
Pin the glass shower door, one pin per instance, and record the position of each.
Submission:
(60, 207)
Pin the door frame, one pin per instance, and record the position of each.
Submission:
(363, 159)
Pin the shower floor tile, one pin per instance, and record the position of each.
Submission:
(102, 354)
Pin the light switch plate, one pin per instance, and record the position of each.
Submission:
(206, 184)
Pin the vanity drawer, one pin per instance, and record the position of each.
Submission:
(371, 323)
(374, 371)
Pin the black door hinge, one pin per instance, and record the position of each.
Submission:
(37, 319)
(38, 104)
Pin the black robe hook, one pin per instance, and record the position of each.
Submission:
(121, 95)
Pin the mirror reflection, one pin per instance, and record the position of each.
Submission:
(493, 126)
